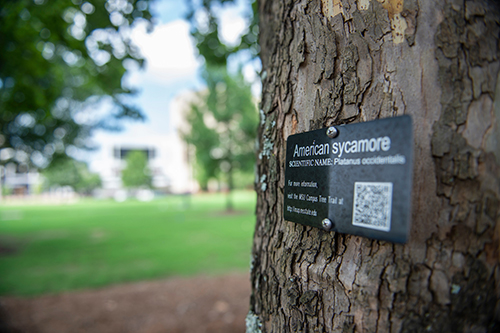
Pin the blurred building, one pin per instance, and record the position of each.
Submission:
(169, 158)
(19, 180)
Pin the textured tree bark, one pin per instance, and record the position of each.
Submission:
(341, 61)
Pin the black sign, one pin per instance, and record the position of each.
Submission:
(353, 179)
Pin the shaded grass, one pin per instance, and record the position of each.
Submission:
(90, 244)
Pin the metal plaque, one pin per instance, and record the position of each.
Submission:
(353, 179)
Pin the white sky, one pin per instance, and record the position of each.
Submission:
(169, 54)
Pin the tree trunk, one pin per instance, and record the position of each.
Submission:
(230, 188)
(341, 61)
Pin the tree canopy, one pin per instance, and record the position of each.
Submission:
(224, 118)
(60, 60)
(205, 30)
(69, 172)
(136, 173)
(223, 126)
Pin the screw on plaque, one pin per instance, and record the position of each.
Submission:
(327, 224)
(332, 132)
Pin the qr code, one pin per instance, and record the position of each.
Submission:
(372, 205)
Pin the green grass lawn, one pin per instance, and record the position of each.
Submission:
(52, 248)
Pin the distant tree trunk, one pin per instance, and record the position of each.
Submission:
(230, 186)
(340, 61)
(230, 173)
(1, 182)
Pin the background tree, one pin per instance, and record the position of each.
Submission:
(223, 123)
(69, 172)
(60, 60)
(335, 62)
(224, 119)
(136, 173)
(206, 32)
(203, 139)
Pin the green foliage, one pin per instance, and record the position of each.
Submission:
(6, 190)
(58, 60)
(93, 244)
(69, 172)
(224, 119)
(206, 32)
(244, 180)
(136, 173)
(223, 123)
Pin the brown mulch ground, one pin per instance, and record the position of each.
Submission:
(195, 305)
